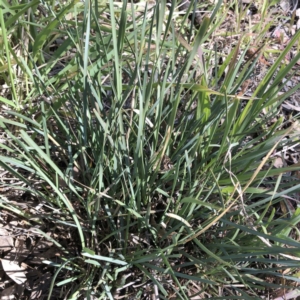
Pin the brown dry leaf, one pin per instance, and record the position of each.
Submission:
(19, 253)
(283, 208)
(287, 207)
(14, 271)
(290, 206)
(278, 162)
(6, 241)
(251, 53)
(244, 87)
(263, 61)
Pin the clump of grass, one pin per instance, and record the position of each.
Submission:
(160, 173)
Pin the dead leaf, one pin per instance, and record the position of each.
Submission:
(291, 106)
(14, 271)
(6, 241)
(278, 162)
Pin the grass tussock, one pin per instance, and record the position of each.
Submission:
(146, 153)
